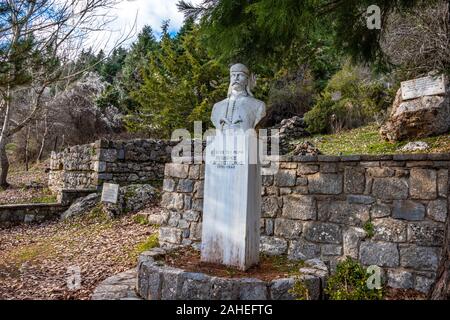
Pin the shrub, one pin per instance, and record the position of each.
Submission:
(299, 290)
(350, 283)
(350, 99)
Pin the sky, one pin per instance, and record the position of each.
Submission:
(150, 12)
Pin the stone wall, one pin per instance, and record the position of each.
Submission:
(382, 210)
(124, 162)
(11, 214)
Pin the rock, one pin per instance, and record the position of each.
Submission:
(279, 289)
(322, 232)
(423, 183)
(400, 279)
(423, 284)
(390, 188)
(381, 254)
(118, 287)
(272, 245)
(351, 239)
(270, 207)
(301, 250)
(131, 198)
(416, 118)
(390, 230)
(343, 212)
(426, 233)
(299, 207)
(325, 183)
(408, 210)
(285, 178)
(252, 289)
(81, 206)
(286, 228)
(437, 210)
(419, 258)
(304, 148)
(414, 146)
(169, 234)
(354, 180)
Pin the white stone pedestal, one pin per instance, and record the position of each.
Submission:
(232, 200)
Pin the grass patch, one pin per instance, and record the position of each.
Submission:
(141, 219)
(149, 243)
(283, 264)
(366, 140)
(51, 198)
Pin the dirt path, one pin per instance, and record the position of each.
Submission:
(37, 261)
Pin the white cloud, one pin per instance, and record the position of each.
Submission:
(136, 14)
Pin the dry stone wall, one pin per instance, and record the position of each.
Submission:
(382, 210)
(124, 162)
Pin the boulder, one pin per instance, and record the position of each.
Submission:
(131, 198)
(81, 206)
(416, 118)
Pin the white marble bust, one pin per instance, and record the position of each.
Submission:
(240, 110)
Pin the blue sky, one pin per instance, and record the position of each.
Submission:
(151, 12)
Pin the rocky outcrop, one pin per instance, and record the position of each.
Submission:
(290, 129)
(416, 118)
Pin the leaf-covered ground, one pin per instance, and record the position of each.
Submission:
(366, 140)
(27, 186)
(38, 261)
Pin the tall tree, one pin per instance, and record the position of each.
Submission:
(39, 38)
(181, 82)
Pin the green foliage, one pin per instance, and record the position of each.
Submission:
(350, 99)
(299, 290)
(369, 228)
(181, 82)
(151, 242)
(350, 283)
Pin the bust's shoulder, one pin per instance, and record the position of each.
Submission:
(221, 103)
(253, 101)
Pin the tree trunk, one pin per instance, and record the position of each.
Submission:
(26, 148)
(4, 164)
(441, 288)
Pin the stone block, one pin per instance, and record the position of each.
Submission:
(270, 206)
(307, 169)
(352, 237)
(169, 234)
(325, 183)
(279, 289)
(380, 210)
(185, 185)
(423, 284)
(343, 212)
(354, 180)
(390, 188)
(328, 167)
(272, 245)
(408, 210)
(286, 228)
(176, 170)
(302, 250)
(172, 201)
(426, 233)
(423, 183)
(169, 185)
(299, 207)
(437, 210)
(252, 289)
(419, 258)
(389, 230)
(322, 232)
(442, 183)
(196, 286)
(382, 254)
(331, 250)
(400, 279)
(360, 199)
(285, 178)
